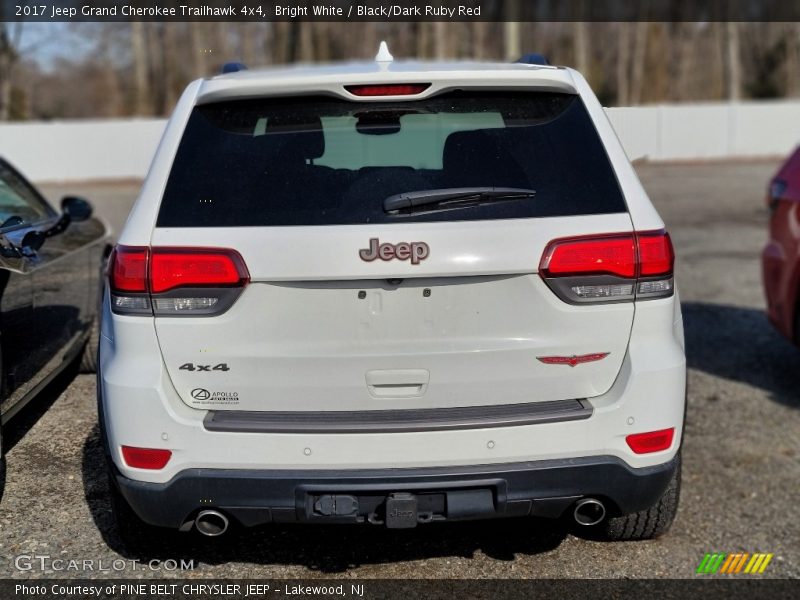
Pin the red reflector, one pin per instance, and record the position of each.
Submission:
(652, 441)
(656, 256)
(146, 458)
(205, 267)
(405, 89)
(613, 255)
(128, 269)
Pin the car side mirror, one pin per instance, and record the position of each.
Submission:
(76, 208)
(33, 240)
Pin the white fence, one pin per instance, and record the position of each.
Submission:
(81, 150)
(119, 149)
(708, 131)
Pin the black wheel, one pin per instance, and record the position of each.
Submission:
(89, 356)
(646, 524)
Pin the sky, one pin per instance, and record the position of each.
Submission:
(44, 42)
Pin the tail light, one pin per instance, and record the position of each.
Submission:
(175, 281)
(610, 268)
(127, 279)
(129, 269)
(652, 441)
(402, 89)
(176, 267)
(146, 458)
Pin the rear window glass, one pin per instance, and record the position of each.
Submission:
(322, 161)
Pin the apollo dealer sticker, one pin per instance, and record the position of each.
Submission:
(202, 396)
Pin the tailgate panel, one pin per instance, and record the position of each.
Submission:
(466, 341)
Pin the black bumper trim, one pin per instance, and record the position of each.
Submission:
(397, 421)
(542, 488)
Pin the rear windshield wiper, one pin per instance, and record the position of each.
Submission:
(452, 198)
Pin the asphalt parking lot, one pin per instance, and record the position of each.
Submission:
(741, 453)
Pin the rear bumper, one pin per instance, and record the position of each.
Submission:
(541, 489)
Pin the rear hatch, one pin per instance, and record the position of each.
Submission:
(390, 253)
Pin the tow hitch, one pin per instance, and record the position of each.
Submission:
(401, 511)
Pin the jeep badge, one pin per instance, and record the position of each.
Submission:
(415, 251)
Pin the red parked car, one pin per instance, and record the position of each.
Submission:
(781, 256)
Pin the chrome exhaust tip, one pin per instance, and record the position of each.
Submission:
(211, 523)
(589, 511)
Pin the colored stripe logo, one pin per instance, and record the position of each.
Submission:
(738, 562)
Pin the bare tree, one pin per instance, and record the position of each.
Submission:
(423, 39)
(512, 46)
(639, 61)
(734, 62)
(140, 78)
(685, 54)
(169, 50)
(9, 54)
(581, 47)
(479, 30)
(156, 67)
(717, 42)
(440, 39)
(623, 74)
(792, 59)
(306, 38)
(220, 51)
(110, 77)
(279, 42)
(402, 34)
(248, 40)
(320, 41)
(198, 49)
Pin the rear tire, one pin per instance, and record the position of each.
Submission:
(646, 524)
(2, 449)
(797, 324)
(89, 356)
(125, 519)
(132, 531)
(2, 467)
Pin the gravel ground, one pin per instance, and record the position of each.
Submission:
(741, 466)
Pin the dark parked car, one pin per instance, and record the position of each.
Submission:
(781, 256)
(50, 273)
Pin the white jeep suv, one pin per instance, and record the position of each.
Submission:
(393, 293)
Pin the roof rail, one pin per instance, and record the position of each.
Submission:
(533, 59)
(233, 67)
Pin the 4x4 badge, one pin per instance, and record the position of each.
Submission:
(413, 251)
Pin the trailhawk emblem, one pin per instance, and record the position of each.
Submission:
(414, 251)
(572, 360)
